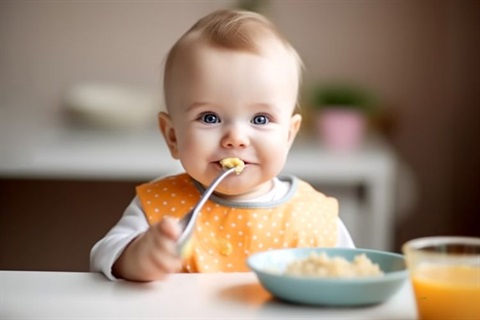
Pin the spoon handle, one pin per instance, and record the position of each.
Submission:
(187, 223)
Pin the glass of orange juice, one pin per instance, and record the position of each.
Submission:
(445, 275)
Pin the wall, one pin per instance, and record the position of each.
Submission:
(421, 57)
(464, 99)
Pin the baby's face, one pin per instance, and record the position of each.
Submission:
(233, 104)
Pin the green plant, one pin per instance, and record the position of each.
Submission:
(342, 96)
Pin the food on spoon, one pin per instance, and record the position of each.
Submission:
(322, 266)
(236, 163)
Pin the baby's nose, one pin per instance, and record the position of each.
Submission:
(235, 137)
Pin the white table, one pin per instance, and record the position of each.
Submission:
(61, 295)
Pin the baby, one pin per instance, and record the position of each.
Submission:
(231, 85)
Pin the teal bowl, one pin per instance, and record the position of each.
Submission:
(269, 266)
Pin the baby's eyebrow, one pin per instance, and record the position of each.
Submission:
(253, 107)
(196, 105)
(266, 106)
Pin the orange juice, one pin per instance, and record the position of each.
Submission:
(447, 291)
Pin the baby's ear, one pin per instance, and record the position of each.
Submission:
(168, 132)
(295, 123)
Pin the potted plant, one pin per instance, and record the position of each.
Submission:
(341, 112)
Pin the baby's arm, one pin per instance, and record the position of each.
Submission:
(152, 255)
(130, 228)
(344, 240)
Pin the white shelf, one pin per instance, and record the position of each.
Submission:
(58, 152)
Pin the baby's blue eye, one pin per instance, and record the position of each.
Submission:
(210, 118)
(260, 119)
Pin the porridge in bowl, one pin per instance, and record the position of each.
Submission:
(321, 265)
(286, 275)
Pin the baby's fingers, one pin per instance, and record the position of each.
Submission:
(169, 228)
(167, 263)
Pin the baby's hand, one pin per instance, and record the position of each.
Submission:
(152, 255)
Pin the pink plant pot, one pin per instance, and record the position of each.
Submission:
(341, 129)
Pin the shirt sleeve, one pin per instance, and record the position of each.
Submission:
(107, 250)
(343, 236)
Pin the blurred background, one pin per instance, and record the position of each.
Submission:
(80, 87)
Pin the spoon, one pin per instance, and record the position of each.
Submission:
(187, 223)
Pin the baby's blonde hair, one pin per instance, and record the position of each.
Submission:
(232, 30)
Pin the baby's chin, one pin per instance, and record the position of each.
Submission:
(231, 193)
(239, 192)
(233, 196)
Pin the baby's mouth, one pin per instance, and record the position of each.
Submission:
(230, 163)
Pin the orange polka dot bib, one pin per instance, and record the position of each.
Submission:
(228, 232)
